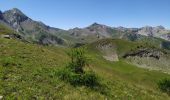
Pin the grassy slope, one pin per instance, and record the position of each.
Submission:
(122, 68)
(27, 71)
(5, 30)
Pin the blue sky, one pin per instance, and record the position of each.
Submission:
(67, 14)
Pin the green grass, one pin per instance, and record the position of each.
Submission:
(27, 71)
(5, 30)
(121, 46)
(127, 71)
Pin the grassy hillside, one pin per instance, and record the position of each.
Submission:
(5, 30)
(28, 71)
(139, 53)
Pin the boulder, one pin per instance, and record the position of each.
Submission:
(5, 36)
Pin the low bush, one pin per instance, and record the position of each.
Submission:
(63, 74)
(88, 78)
(164, 85)
(74, 72)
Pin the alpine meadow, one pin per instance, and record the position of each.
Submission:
(91, 61)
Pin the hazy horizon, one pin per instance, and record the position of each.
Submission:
(79, 13)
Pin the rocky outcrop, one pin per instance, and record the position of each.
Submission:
(1, 97)
(1, 16)
(145, 53)
(166, 36)
(108, 51)
(147, 31)
(5, 36)
(159, 32)
(11, 36)
(152, 59)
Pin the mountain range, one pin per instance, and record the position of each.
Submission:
(38, 32)
(128, 62)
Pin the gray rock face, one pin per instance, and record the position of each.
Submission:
(145, 53)
(154, 31)
(108, 51)
(147, 31)
(161, 27)
(166, 36)
(101, 30)
(1, 16)
(14, 17)
(153, 59)
(95, 30)
(29, 29)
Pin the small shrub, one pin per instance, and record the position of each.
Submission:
(90, 79)
(164, 85)
(74, 72)
(64, 74)
(75, 79)
(78, 59)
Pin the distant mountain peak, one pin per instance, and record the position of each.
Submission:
(14, 17)
(158, 27)
(95, 24)
(161, 27)
(15, 11)
(76, 28)
(147, 26)
(120, 27)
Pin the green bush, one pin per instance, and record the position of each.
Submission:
(78, 60)
(64, 74)
(88, 78)
(75, 79)
(74, 72)
(164, 85)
